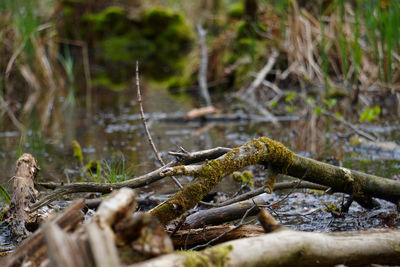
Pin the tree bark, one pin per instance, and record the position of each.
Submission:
(20, 218)
(292, 248)
(193, 237)
(276, 156)
(223, 214)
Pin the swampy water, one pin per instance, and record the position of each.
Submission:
(112, 131)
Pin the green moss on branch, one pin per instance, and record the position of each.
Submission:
(260, 150)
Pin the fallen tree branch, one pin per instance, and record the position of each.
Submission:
(182, 158)
(266, 151)
(224, 214)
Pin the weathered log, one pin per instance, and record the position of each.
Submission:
(193, 237)
(273, 154)
(223, 214)
(285, 247)
(93, 244)
(61, 246)
(33, 249)
(21, 220)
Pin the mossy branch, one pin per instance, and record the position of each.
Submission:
(211, 173)
(262, 151)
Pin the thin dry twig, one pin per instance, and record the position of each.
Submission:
(263, 73)
(139, 99)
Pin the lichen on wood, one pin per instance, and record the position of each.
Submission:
(215, 256)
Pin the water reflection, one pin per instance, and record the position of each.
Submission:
(113, 127)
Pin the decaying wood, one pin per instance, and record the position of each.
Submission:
(60, 248)
(143, 233)
(223, 214)
(285, 247)
(102, 246)
(193, 237)
(114, 230)
(93, 244)
(268, 223)
(33, 249)
(268, 152)
(182, 158)
(19, 216)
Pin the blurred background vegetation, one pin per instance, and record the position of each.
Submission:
(341, 51)
(61, 60)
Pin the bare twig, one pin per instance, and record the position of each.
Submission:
(249, 95)
(263, 73)
(202, 77)
(139, 98)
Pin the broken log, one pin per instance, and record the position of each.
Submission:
(33, 249)
(21, 220)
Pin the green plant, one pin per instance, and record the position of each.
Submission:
(370, 114)
(330, 103)
(20, 146)
(290, 96)
(4, 195)
(116, 170)
(68, 64)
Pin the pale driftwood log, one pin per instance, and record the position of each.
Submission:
(33, 249)
(102, 245)
(61, 246)
(285, 247)
(182, 158)
(21, 220)
(193, 237)
(93, 244)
